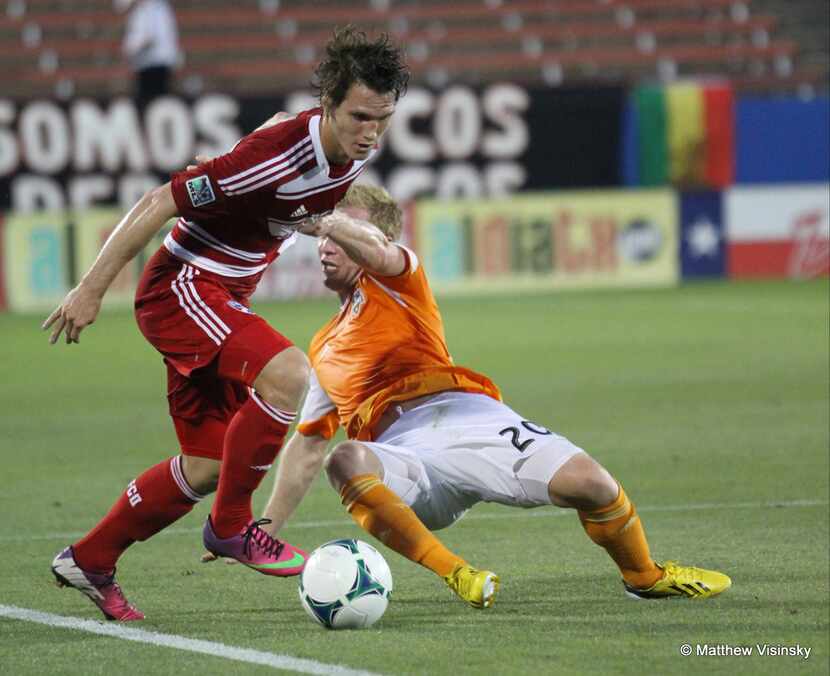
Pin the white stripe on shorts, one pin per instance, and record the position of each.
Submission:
(193, 313)
(191, 272)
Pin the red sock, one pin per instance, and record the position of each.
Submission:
(151, 502)
(254, 437)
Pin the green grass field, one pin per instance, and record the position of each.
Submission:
(708, 402)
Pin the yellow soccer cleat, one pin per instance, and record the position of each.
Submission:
(476, 587)
(682, 581)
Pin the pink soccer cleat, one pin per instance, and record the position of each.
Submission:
(101, 589)
(257, 549)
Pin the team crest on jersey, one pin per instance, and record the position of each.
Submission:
(200, 191)
(239, 306)
(358, 300)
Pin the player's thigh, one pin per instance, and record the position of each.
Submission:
(214, 348)
(195, 322)
(488, 451)
(405, 473)
(201, 406)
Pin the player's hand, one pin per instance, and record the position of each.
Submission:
(200, 159)
(77, 311)
(320, 226)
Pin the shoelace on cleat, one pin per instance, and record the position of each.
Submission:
(271, 546)
(686, 577)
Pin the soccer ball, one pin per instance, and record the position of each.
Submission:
(345, 585)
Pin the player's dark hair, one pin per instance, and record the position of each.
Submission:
(352, 57)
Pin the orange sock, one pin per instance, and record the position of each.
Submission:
(382, 513)
(618, 529)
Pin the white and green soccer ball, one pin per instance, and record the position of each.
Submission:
(346, 584)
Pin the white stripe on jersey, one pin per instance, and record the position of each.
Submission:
(181, 482)
(271, 175)
(285, 417)
(318, 183)
(231, 181)
(394, 294)
(206, 238)
(184, 301)
(224, 269)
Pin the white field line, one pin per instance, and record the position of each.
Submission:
(113, 630)
(511, 514)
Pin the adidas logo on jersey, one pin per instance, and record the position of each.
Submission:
(299, 212)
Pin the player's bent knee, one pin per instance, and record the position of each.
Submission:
(283, 379)
(201, 474)
(350, 459)
(582, 483)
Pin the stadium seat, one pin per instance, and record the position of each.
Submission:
(45, 44)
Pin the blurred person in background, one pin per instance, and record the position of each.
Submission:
(151, 45)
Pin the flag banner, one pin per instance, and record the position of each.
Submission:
(686, 133)
(778, 231)
(683, 134)
(702, 240)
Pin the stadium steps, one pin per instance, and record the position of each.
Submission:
(252, 49)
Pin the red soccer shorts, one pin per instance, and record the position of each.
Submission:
(212, 343)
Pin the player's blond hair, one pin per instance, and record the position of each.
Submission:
(383, 211)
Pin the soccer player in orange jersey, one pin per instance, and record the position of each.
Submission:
(429, 439)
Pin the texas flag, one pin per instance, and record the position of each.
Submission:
(702, 247)
(778, 231)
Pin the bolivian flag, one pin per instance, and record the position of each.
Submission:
(681, 134)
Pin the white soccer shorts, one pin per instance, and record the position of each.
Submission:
(457, 449)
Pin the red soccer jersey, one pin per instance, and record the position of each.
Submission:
(239, 210)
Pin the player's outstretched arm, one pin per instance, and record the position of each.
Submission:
(81, 305)
(300, 463)
(361, 241)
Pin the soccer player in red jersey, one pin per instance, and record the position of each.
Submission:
(234, 383)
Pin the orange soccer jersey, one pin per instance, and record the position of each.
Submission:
(386, 344)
